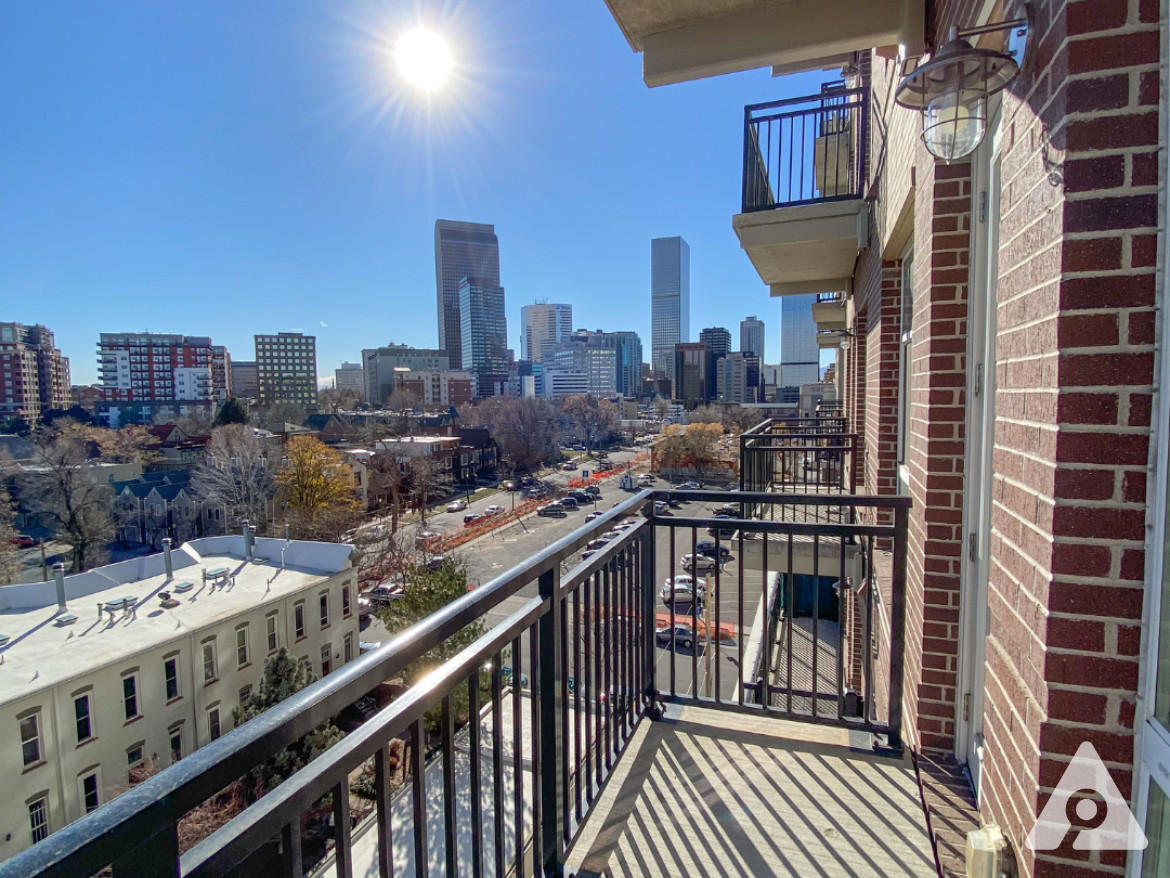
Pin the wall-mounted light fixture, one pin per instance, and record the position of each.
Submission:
(952, 89)
(845, 338)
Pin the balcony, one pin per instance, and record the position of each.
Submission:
(804, 216)
(829, 312)
(757, 731)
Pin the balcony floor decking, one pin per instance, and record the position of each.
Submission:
(704, 792)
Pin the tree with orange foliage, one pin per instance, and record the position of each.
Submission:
(316, 490)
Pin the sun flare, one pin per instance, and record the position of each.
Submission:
(424, 58)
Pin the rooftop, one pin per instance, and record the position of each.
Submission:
(41, 652)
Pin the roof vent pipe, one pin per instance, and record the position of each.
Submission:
(249, 536)
(59, 580)
(167, 558)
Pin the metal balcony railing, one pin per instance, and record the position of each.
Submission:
(805, 150)
(796, 602)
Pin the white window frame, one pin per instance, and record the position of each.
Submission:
(214, 723)
(299, 620)
(272, 632)
(35, 716)
(172, 660)
(324, 608)
(242, 647)
(87, 697)
(132, 676)
(93, 774)
(203, 652)
(44, 826)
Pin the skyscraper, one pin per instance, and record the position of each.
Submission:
(544, 326)
(718, 339)
(483, 328)
(34, 377)
(800, 358)
(670, 300)
(286, 368)
(461, 250)
(627, 347)
(751, 336)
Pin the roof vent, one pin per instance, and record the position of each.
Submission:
(4, 638)
(182, 587)
(65, 619)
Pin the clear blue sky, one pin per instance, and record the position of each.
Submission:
(225, 168)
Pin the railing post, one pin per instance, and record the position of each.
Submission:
(648, 577)
(898, 624)
(552, 781)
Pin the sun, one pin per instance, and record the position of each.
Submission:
(424, 58)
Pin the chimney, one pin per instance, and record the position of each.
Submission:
(167, 558)
(59, 578)
(287, 538)
(249, 536)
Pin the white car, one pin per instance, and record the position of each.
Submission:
(705, 562)
(494, 509)
(457, 506)
(682, 580)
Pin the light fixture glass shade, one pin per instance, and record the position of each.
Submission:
(846, 339)
(953, 123)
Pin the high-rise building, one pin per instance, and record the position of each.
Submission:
(737, 378)
(380, 364)
(221, 373)
(155, 367)
(245, 379)
(483, 328)
(597, 363)
(627, 348)
(800, 358)
(670, 300)
(718, 339)
(694, 371)
(751, 336)
(287, 368)
(461, 250)
(350, 376)
(543, 327)
(34, 377)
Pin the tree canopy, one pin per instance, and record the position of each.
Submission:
(317, 489)
(233, 411)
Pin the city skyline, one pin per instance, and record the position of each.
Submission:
(314, 200)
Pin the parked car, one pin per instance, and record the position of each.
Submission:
(471, 518)
(592, 489)
(675, 504)
(510, 485)
(661, 507)
(570, 466)
(611, 535)
(594, 545)
(569, 502)
(435, 562)
(682, 580)
(707, 547)
(426, 538)
(23, 542)
(581, 496)
(724, 533)
(689, 486)
(683, 596)
(728, 510)
(525, 481)
(596, 513)
(494, 509)
(457, 506)
(552, 510)
(385, 593)
(697, 562)
(682, 635)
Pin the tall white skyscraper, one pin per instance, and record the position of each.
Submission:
(670, 300)
(544, 327)
(800, 356)
(751, 336)
(461, 250)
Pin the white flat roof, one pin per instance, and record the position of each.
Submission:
(40, 654)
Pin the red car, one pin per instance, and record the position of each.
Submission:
(23, 542)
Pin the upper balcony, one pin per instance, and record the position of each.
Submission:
(751, 724)
(829, 312)
(804, 216)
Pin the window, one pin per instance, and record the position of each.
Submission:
(245, 695)
(325, 610)
(136, 754)
(130, 696)
(171, 672)
(346, 609)
(271, 623)
(176, 736)
(82, 718)
(213, 723)
(299, 619)
(326, 659)
(348, 648)
(38, 819)
(90, 797)
(209, 669)
(906, 328)
(241, 646)
(30, 738)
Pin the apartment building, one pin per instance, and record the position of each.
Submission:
(436, 387)
(352, 377)
(245, 380)
(379, 366)
(221, 373)
(142, 662)
(155, 367)
(286, 368)
(1001, 267)
(34, 377)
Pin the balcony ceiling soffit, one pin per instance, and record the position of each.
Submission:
(683, 40)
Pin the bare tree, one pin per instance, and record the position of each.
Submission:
(524, 429)
(235, 475)
(387, 474)
(662, 407)
(333, 400)
(426, 475)
(66, 492)
(592, 419)
(9, 564)
(126, 445)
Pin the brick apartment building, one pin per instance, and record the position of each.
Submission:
(1004, 312)
(34, 377)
